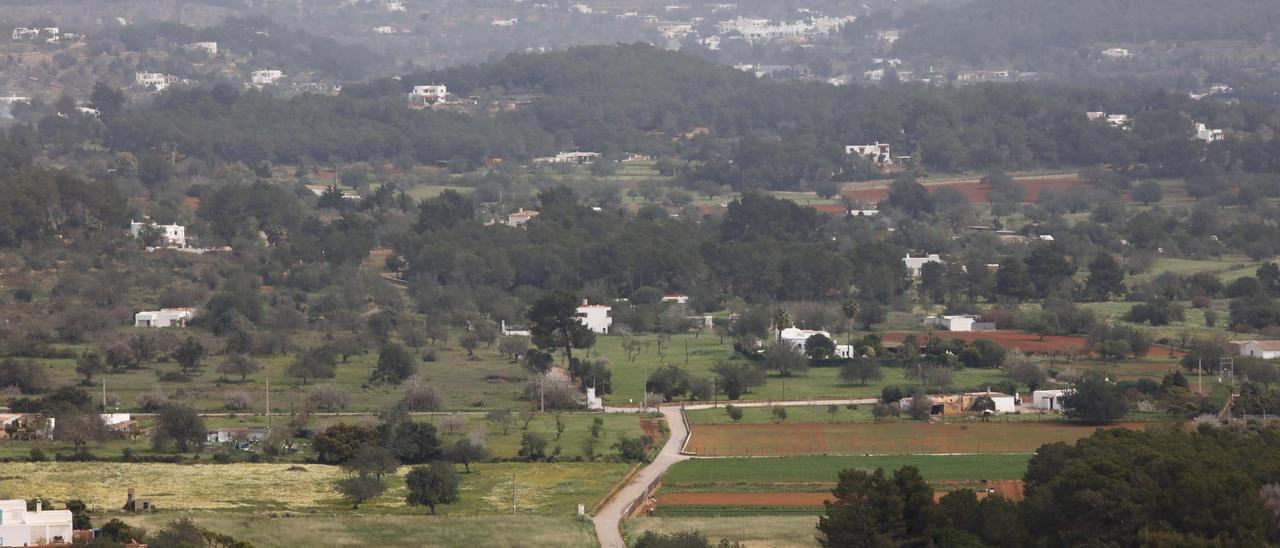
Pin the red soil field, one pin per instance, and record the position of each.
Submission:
(1026, 342)
(651, 429)
(890, 437)
(971, 188)
(1009, 489)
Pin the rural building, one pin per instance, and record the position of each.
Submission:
(914, 264)
(796, 337)
(959, 323)
(594, 402)
(878, 153)
(1117, 53)
(210, 48)
(172, 235)
(568, 158)
(678, 298)
(510, 332)
(165, 317)
(429, 94)
(595, 316)
(519, 218)
(266, 77)
(1048, 400)
(18, 527)
(1267, 350)
(962, 404)
(151, 80)
(241, 437)
(1207, 135)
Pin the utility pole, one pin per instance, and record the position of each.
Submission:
(1200, 375)
(268, 376)
(104, 393)
(513, 492)
(542, 401)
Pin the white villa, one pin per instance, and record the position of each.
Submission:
(914, 264)
(595, 316)
(1207, 135)
(266, 77)
(878, 153)
(519, 218)
(18, 527)
(173, 235)
(430, 93)
(568, 158)
(165, 317)
(154, 80)
(210, 48)
(796, 337)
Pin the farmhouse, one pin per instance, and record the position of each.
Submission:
(1048, 400)
(1207, 135)
(956, 323)
(914, 264)
(962, 404)
(1267, 350)
(172, 235)
(678, 298)
(18, 527)
(595, 316)
(429, 94)
(165, 317)
(519, 218)
(568, 158)
(239, 436)
(210, 48)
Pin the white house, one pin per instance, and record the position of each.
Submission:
(266, 77)
(796, 337)
(165, 317)
(173, 235)
(430, 93)
(951, 323)
(1117, 53)
(879, 153)
(568, 158)
(914, 264)
(595, 316)
(508, 332)
(1208, 135)
(594, 402)
(519, 218)
(505, 22)
(1048, 400)
(1267, 350)
(210, 48)
(18, 527)
(152, 80)
(678, 298)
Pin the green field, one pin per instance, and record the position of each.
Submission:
(431, 191)
(773, 473)
(795, 414)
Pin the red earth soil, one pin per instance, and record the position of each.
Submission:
(1026, 342)
(1010, 489)
(971, 188)
(651, 429)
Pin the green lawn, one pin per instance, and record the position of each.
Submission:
(757, 473)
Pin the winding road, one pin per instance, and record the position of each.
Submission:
(609, 518)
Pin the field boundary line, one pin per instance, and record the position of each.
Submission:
(613, 492)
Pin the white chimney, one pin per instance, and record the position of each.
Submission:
(39, 505)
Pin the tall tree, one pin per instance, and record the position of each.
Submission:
(555, 324)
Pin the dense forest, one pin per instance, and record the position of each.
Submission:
(618, 99)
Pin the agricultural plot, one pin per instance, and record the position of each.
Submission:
(888, 437)
(348, 529)
(754, 531)
(547, 489)
(768, 474)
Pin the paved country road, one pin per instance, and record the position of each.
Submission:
(609, 518)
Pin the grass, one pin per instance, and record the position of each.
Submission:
(346, 529)
(431, 191)
(755, 531)
(795, 414)
(706, 350)
(547, 489)
(758, 474)
(571, 442)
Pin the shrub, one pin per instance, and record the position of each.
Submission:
(328, 398)
(37, 455)
(735, 413)
(236, 400)
(153, 400)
